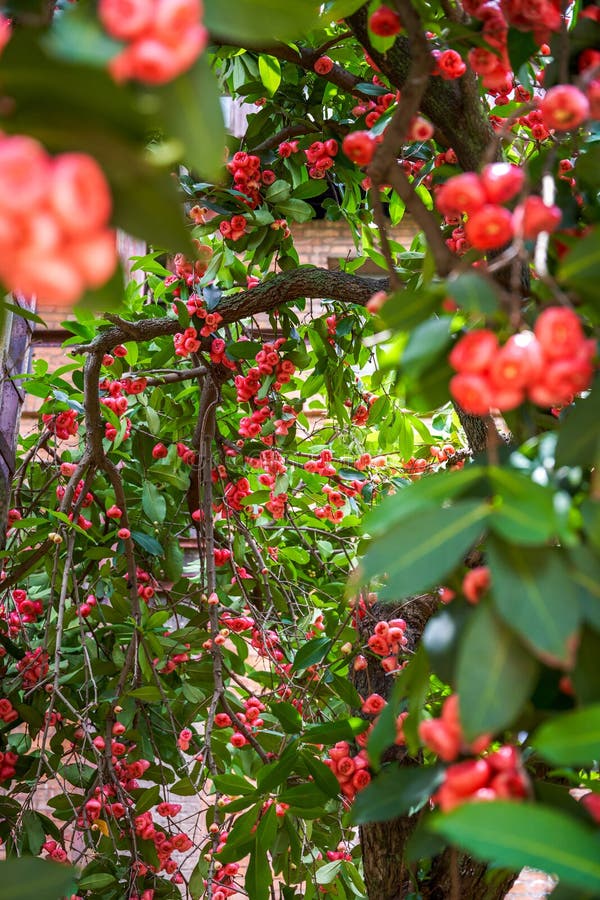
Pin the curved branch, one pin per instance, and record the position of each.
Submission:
(309, 283)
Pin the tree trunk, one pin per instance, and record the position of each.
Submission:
(452, 876)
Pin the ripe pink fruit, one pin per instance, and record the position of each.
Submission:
(461, 194)
(533, 217)
(125, 19)
(475, 351)
(124, 534)
(490, 228)
(559, 332)
(114, 512)
(79, 194)
(323, 65)
(564, 107)
(385, 22)
(472, 393)
(359, 147)
(159, 451)
(502, 181)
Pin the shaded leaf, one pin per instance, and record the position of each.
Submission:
(395, 791)
(519, 834)
(495, 674)
(572, 738)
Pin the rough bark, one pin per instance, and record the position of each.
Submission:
(453, 107)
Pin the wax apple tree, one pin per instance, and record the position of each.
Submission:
(303, 598)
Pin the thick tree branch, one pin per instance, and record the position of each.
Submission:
(452, 106)
(309, 283)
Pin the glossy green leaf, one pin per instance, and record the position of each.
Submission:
(535, 595)
(395, 791)
(495, 674)
(331, 732)
(153, 503)
(288, 716)
(571, 739)
(519, 834)
(418, 556)
(96, 882)
(314, 651)
(269, 69)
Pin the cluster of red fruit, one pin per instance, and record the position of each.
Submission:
(54, 212)
(33, 667)
(234, 228)
(247, 177)
(8, 713)
(250, 718)
(548, 366)
(493, 65)
(445, 735)
(64, 424)
(491, 226)
(25, 612)
(164, 37)
(165, 845)
(352, 772)
(374, 109)
(8, 765)
(497, 776)
(320, 156)
(388, 641)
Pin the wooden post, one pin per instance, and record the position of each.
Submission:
(15, 351)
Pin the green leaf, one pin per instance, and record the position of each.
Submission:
(521, 47)
(420, 495)
(329, 872)
(153, 503)
(269, 69)
(523, 511)
(36, 834)
(27, 877)
(314, 651)
(322, 775)
(535, 595)
(520, 834)
(394, 792)
(96, 882)
(420, 556)
(495, 674)
(147, 543)
(76, 36)
(248, 21)
(258, 874)
(173, 561)
(288, 716)
(233, 784)
(147, 799)
(473, 293)
(427, 341)
(580, 269)
(296, 210)
(571, 739)
(309, 189)
(579, 436)
(403, 310)
(331, 732)
(147, 694)
(191, 111)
